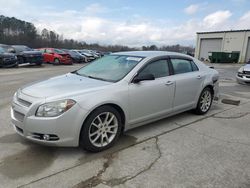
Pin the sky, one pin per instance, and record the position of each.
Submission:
(131, 22)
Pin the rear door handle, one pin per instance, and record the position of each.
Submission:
(198, 77)
(168, 83)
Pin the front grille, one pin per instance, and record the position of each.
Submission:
(246, 72)
(24, 102)
(19, 116)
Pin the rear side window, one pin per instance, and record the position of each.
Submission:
(158, 68)
(181, 66)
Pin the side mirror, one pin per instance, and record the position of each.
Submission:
(142, 77)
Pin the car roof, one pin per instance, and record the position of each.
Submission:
(19, 46)
(150, 53)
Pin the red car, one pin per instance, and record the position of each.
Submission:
(55, 56)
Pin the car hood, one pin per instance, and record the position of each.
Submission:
(64, 85)
(246, 67)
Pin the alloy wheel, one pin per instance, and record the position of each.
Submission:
(103, 129)
(206, 100)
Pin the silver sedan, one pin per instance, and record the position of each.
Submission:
(243, 75)
(92, 106)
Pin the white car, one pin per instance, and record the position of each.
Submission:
(243, 75)
(92, 106)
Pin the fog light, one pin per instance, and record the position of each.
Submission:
(46, 137)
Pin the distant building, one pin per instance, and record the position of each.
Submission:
(223, 41)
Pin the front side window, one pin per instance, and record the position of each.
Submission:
(110, 68)
(157, 68)
(181, 66)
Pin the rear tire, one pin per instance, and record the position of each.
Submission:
(204, 102)
(101, 129)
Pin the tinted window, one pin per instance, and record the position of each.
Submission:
(157, 68)
(181, 66)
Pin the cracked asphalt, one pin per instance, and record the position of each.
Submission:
(185, 150)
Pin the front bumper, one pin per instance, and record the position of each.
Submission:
(243, 78)
(11, 63)
(63, 130)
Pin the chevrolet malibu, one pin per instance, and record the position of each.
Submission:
(92, 106)
(243, 76)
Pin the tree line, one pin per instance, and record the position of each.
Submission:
(15, 31)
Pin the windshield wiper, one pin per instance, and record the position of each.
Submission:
(75, 72)
(88, 76)
(93, 77)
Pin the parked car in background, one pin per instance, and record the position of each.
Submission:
(243, 75)
(75, 56)
(92, 106)
(55, 56)
(89, 56)
(26, 55)
(7, 59)
(94, 53)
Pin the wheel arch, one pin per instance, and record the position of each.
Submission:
(211, 87)
(115, 106)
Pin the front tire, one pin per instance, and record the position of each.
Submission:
(204, 102)
(101, 129)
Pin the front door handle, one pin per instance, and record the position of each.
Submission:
(168, 83)
(198, 77)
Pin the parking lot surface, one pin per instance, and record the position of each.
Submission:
(182, 151)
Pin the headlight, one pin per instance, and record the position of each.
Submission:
(54, 109)
(15, 57)
(241, 70)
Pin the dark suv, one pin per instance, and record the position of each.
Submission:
(7, 59)
(26, 55)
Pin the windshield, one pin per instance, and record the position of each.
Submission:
(59, 51)
(2, 50)
(22, 48)
(110, 68)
